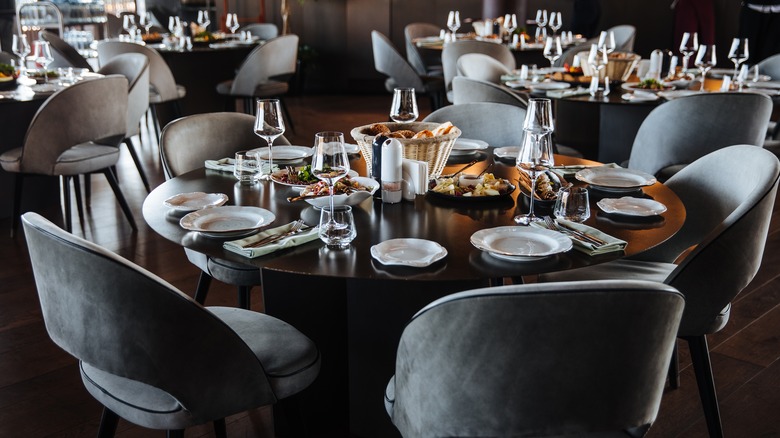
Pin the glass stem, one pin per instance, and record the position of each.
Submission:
(703, 77)
(533, 191)
(330, 195)
(270, 157)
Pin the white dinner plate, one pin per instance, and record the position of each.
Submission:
(615, 179)
(507, 152)
(630, 206)
(467, 146)
(774, 85)
(285, 153)
(767, 91)
(644, 97)
(546, 86)
(417, 253)
(674, 94)
(231, 221)
(520, 243)
(353, 198)
(195, 201)
(519, 83)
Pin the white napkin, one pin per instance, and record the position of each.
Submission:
(726, 86)
(415, 178)
(613, 244)
(238, 246)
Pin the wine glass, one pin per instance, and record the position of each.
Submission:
(607, 41)
(688, 46)
(43, 57)
(404, 106)
(269, 125)
(329, 164)
(510, 24)
(556, 22)
(541, 24)
(453, 22)
(705, 60)
(21, 48)
(128, 23)
(146, 21)
(552, 50)
(738, 53)
(597, 60)
(203, 19)
(232, 23)
(535, 154)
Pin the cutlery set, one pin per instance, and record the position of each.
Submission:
(579, 235)
(298, 227)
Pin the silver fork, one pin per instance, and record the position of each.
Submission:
(296, 226)
(552, 225)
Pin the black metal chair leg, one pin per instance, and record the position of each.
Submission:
(178, 433)
(137, 161)
(17, 208)
(244, 297)
(65, 193)
(120, 197)
(674, 369)
(155, 122)
(204, 281)
(79, 201)
(220, 431)
(88, 190)
(700, 356)
(108, 423)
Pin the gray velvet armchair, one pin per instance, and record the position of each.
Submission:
(496, 123)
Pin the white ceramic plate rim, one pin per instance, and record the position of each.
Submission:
(285, 153)
(351, 199)
(195, 201)
(554, 242)
(432, 252)
(631, 206)
(772, 85)
(469, 144)
(610, 177)
(632, 86)
(199, 220)
(507, 151)
(631, 97)
(550, 86)
(674, 94)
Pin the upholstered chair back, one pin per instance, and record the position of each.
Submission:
(496, 123)
(420, 61)
(454, 50)
(160, 75)
(388, 61)
(64, 54)
(482, 67)
(276, 58)
(466, 90)
(264, 31)
(134, 67)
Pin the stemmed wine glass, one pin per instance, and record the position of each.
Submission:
(232, 23)
(43, 57)
(607, 41)
(268, 125)
(203, 19)
(705, 60)
(128, 23)
(688, 46)
(738, 53)
(146, 21)
(175, 26)
(552, 50)
(597, 60)
(21, 48)
(556, 22)
(541, 24)
(510, 24)
(329, 164)
(453, 22)
(404, 106)
(535, 155)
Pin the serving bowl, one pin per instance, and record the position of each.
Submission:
(353, 198)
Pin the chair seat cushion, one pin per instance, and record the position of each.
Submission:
(11, 160)
(237, 274)
(155, 97)
(290, 359)
(86, 158)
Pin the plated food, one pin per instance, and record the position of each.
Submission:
(346, 191)
(547, 186)
(649, 85)
(299, 176)
(488, 187)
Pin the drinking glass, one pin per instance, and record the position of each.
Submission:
(541, 24)
(607, 41)
(246, 167)
(510, 24)
(269, 125)
(688, 46)
(555, 22)
(329, 162)
(453, 22)
(337, 227)
(572, 204)
(705, 60)
(203, 19)
(552, 50)
(21, 48)
(404, 106)
(43, 57)
(232, 23)
(738, 53)
(597, 60)
(742, 76)
(535, 155)
(128, 23)
(146, 21)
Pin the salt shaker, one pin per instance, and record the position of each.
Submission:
(392, 178)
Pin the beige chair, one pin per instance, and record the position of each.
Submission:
(728, 195)
(264, 31)
(147, 352)
(185, 144)
(264, 74)
(583, 359)
(453, 51)
(424, 62)
(163, 87)
(482, 67)
(75, 132)
(497, 124)
(466, 90)
(625, 35)
(64, 54)
(134, 67)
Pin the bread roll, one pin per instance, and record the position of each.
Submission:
(443, 129)
(378, 128)
(423, 134)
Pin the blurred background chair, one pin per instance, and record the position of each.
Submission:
(625, 35)
(134, 67)
(64, 54)
(482, 67)
(495, 123)
(389, 62)
(8, 58)
(466, 90)
(89, 119)
(454, 50)
(728, 195)
(425, 63)
(680, 131)
(560, 359)
(265, 73)
(264, 31)
(185, 145)
(147, 352)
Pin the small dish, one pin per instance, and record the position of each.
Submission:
(467, 146)
(630, 206)
(520, 243)
(417, 253)
(231, 221)
(615, 179)
(507, 153)
(642, 97)
(195, 201)
(280, 177)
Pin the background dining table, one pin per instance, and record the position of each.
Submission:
(355, 308)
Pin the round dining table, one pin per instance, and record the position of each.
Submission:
(354, 307)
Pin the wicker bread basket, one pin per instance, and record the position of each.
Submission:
(433, 150)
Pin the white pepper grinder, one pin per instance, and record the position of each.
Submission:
(392, 171)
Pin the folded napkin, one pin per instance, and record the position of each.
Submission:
(613, 244)
(557, 94)
(415, 178)
(570, 170)
(239, 246)
(228, 164)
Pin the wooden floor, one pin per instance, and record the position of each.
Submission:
(41, 394)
